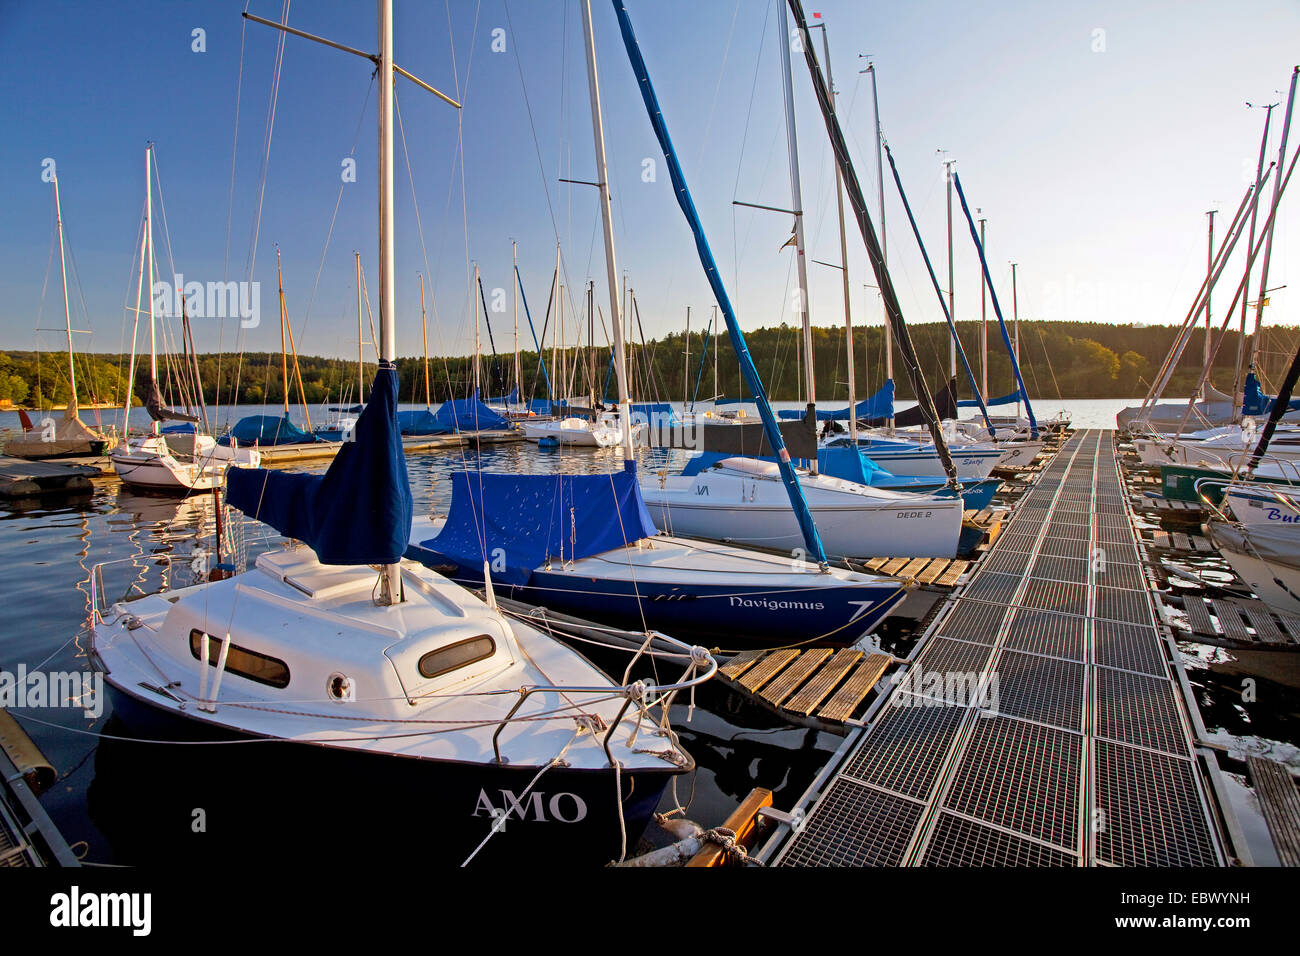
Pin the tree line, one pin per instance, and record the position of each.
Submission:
(1058, 359)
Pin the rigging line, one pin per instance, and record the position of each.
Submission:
(532, 125)
(338, 201)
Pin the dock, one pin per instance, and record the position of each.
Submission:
(23, 478)
(1043, 718)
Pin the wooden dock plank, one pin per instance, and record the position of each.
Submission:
(1290, 624)
(841, 706)
(935, 568)
(876, 563)
(913, 568)
(1280, 803)
(1261, 620)
(767, 668)
(741, 663)
(891, 567)
(823, 682)
(954, 571)
(1229, 615)
(782, 687)
(1198, 615)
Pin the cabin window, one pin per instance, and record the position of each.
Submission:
(241, 661)
(455, 656)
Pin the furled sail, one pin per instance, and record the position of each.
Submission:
(359, 511)
(879, 405)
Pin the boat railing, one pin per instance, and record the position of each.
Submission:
(1290, 470)
(635, 692)
(98, 604)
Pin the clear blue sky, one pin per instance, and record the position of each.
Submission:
(1093, 166)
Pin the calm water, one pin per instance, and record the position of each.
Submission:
(129, 802)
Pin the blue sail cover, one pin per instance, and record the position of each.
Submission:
(421, 422)
(506, 399)
(1009, 399)
(359, 511)
(655, 414)
(266, 430)
(879, 405)
(469, 415)
(530, 519)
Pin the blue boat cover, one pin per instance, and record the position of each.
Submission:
(1010, 399)
(184, 428)
(359, 511)
(533, 518)
(544, 406)
(469, 415)
(1255, 402)
(421, 422)
(654, 413)
(506, 399)
(879, 405)
(266, 430)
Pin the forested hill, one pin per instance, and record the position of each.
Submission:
(1065, 359)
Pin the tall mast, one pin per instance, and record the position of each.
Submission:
(284, 350)
(607, 221)
(477, 343)
(361, 362)
(1209, 273)
(796, 196)
(67, 313)
(148, 232)
(1237, 397)
(952, 304)
(884, 247)
(984, 323)
(844, 252)
(1268, 245)
(1015, 326)
(514, 254)
(390, 592)
(424, 328)
(686, 362)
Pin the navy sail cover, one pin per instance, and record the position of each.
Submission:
(359, 511)
(266, 430)
(469, 415)
(879, 405)
(522, 521)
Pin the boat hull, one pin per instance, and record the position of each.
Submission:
(570, 814)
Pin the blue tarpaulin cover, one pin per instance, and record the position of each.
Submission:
(1010, 399)
(653, 413)
(879, 405)
(506, 399)
(421, 422)
(530, 518)
(359, 511)
(469, 415)
(265, 430)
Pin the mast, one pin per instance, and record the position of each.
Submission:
(67, 313)
(1268, 245)
(607, 222)
(844, 249)
(557, 302)
(984, 323)
(514, 254)
(952, 305)
(796, 196)
(1015, 322)
(424, 327)
(1237, 397)
(686, 360)
(284, 348)
(1209, 272)
(148, 232)
(477, 344)
(390, 591)
(361, 361)
(884, 248)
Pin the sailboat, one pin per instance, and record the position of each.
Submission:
(483, 721)
(587, 544)
(69, 435)
(177, 458)
(739, 500)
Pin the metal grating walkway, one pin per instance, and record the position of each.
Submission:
(1039, 724)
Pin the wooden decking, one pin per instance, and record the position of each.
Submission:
(817, 687)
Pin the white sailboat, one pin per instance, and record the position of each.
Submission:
(68, 435)
(182, 461)
(402, 677)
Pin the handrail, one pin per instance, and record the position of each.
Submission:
(97, 577)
